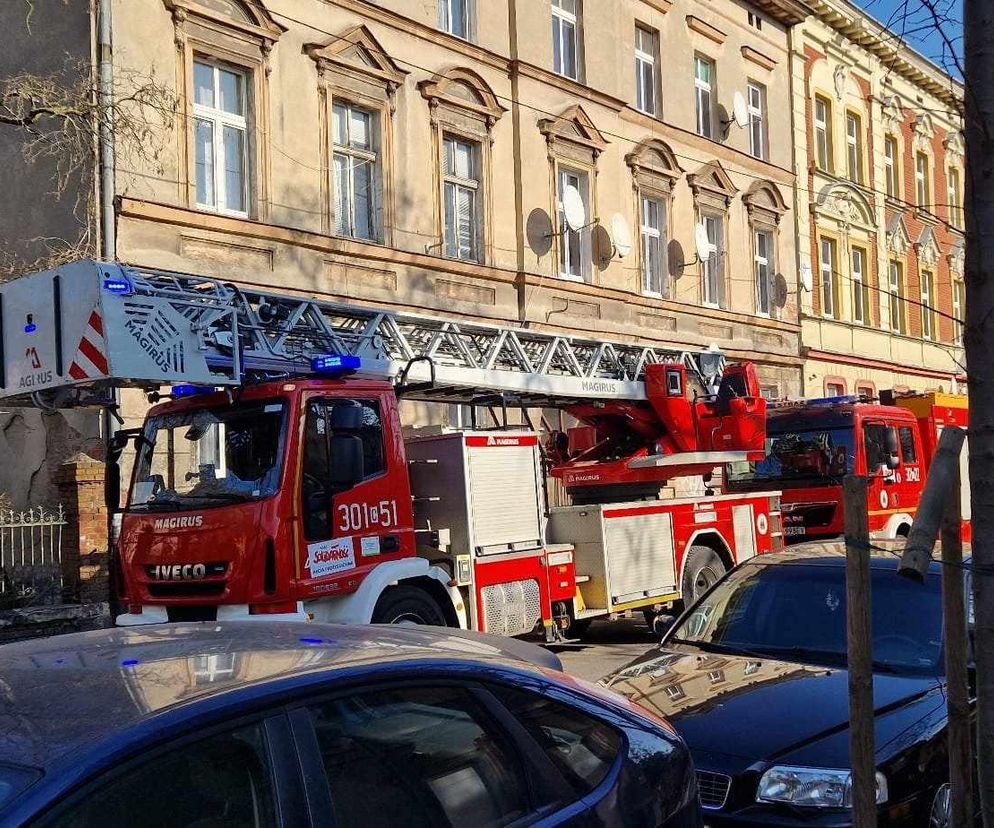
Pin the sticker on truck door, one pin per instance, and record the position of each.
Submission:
(330, 556)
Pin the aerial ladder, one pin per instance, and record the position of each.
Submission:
(275, 479)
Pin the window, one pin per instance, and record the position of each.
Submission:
(755, 21)
(573, 246)
(860, 287)
(928, 303)
(770, 392)
(221, 780)
(419, 756)
(898, 311)
(675, 692)
(462, 198)
(909, 453)
(823, 134)
(704, 89)
(866, 390)
(714, 265)
(757, 121)
(716, 676)
(829, 297)
(356, 174)
(654, 271)
(955, 197)
(959, 307)
(875, 439)
(891, 166)
(922, 189)
(581, 747)
(456, 17)
(220, 129)
(764, 266)
(343, 446)
(835, 388)
(854, 147)
(565, 38)
(646, 79)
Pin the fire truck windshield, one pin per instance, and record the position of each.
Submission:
(209, 457)
(798, 457)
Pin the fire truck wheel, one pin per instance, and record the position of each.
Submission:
(407, 605)
(701, 569)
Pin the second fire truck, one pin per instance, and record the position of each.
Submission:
(277, 480)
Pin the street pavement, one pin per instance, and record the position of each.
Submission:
(606, 646)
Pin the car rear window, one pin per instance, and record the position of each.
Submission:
(581, 747)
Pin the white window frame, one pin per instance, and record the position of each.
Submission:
(854, 147)
(954, 195)
(829, 299)
(891, 167)
(895, 289)
(648, 232)
(563, 21)
(823, 134)
(582, 183)
(646, 92)
(447, 19)
(860, 303)
(756, 105)
(959, 323)
(354, 154)
(928, 303)
(457, 184)
(219, 119)
(769, 262)
(714, 265)
(923, 192)
(704, 92)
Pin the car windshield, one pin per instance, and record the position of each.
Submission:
(209, 457)
(797, 612)
(799, 457)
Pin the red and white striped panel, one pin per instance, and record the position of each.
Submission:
(90, 361)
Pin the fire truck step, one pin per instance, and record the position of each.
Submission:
(582, 579)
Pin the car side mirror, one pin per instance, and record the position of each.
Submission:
(893, 461)
(663, 623)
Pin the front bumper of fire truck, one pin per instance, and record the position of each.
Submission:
(225, 612)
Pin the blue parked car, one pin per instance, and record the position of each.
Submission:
(259, 724)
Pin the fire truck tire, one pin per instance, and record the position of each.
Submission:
(701, 569)
(407, 605)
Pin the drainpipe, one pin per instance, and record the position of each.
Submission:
(105, 92)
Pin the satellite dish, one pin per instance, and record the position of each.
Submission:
(740, 111)
(621, 235)
(807, 280)
(574, 211)
(780, 290)
(701, 242)
(676, 258)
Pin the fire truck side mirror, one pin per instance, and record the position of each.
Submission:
(892, 447)
(112, 486)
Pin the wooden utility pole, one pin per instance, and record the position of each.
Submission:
(860, 642)
(978, 31)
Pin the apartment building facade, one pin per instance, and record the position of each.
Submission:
(880, 168)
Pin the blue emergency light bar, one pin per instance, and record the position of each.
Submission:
(122, 287)
(191, 390)
(332, 365)
(844, 400)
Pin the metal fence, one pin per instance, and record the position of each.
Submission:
(31, 572)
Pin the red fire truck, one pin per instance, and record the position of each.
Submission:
(276, 479)
(811, 445)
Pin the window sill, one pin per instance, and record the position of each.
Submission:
(358, 239)
(569, 277)
(220, 211)
(925, 215)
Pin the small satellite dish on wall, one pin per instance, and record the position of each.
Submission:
(740, 111)
(621, 235)
(807, 280)
(574, 211)
(675, 258)
(780, 290)
(701, 242)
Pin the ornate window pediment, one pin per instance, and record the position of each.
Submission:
(462, 89)
(898, 240)
(957, 258)
(357, 53)
(764, 202)
(955, 149)
(924, 132)
(927, 247)
(573, 126)
(893, 112)
(845, 203)
(250, 20)
(654, 165)
(713, 185)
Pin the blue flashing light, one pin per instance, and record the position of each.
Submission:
(30, 328)
(122, 287)
(191, 390)
(130, 662)
(312, 642)
(335, 364)
(843, 400)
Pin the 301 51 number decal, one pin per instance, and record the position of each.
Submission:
(359, 517)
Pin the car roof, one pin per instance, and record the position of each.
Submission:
(72, 693)
(883, 555)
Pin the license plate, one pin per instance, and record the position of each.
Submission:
(793, 530)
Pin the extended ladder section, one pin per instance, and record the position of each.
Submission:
(70, 335)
